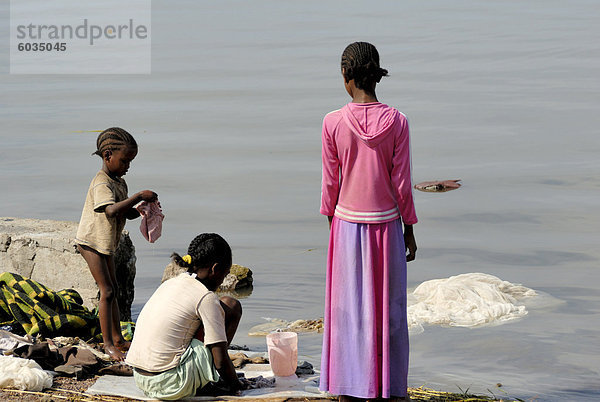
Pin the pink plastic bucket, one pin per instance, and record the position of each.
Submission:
(283, 353)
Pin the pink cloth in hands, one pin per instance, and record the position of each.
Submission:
(152, 217)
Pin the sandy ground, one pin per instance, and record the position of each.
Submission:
(70, 389)
(63, 389)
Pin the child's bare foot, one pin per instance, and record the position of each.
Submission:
(114, 353)
(123, 345)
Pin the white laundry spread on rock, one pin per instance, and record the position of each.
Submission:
(466, 300)
(23, 374)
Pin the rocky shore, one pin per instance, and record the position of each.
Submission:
(45, 251)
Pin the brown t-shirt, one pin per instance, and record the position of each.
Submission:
(96, 230)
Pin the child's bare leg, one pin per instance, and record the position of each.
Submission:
(100, 271)
(233, 315)
(117, 335)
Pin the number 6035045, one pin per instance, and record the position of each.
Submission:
(42, 47)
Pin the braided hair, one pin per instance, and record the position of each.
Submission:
(360, 62)
(205, 250)
(113, 139)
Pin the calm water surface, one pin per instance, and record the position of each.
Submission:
(503, 95)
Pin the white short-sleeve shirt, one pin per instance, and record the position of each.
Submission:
(169, 321)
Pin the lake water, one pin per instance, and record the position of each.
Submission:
(500, 94)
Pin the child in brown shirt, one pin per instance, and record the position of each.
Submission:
(102, 220)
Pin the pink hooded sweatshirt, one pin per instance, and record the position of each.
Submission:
(366, 165)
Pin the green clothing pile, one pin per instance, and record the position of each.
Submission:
(42, 311)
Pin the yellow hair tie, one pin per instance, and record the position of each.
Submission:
(187, 258)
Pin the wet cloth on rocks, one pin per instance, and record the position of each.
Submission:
(257, 382)
(40, 310)
(152, 217)
(247, 384)
(239, 360)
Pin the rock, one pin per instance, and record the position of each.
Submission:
(239, 278)
(45, 251)
(278, 325)
(237, 293)
(307, 326)
(171, 271)
(439, 186)
(125, 260)
(238, 283)
(21, 253)
(240, 359)
(4, 242)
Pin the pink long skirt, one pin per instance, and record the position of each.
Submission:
(365, 342)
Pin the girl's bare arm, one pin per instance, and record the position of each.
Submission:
(224, 366)
(124, 207)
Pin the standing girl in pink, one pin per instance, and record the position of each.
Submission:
(367, 196)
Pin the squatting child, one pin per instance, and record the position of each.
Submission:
(183, 332)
